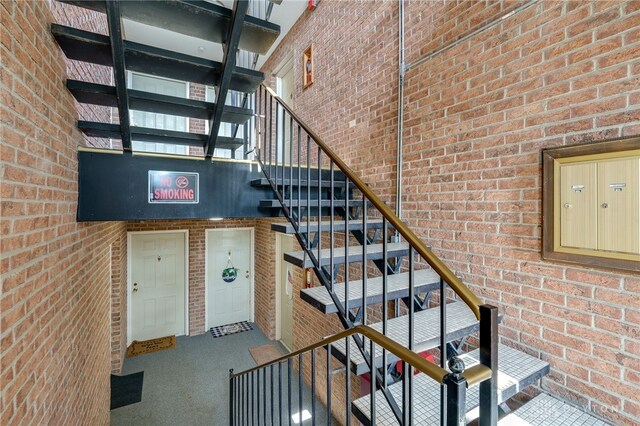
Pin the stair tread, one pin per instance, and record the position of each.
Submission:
(146, 134)
(460, 322)
(303, 183)
(397, 287)
(95, 48)
(516, 370)
(545, 410)
(374, 252)
(100, 94)
(325, 225)
(314, 203)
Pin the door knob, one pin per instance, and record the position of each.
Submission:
(247, 275)
(605, 205)
(135, 287)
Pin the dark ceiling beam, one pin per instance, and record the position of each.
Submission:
(119, 73)
(228, 65)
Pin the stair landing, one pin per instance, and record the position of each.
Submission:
(545, 410)
(517, 370)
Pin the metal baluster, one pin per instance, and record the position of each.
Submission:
(313, 387)
(289, 389)
(443, 349)
(264, 395)
(300, 388)
(385, 261)
(319, 237)
(258, 394)
(284, 154)
(251, 387)
(280, 392)
(489, 357)
(331, 220)
(253, 395)
(300, 178)
(271, 399)
(412, 286)
(346, 251)
(277, 146)
(271, 134)
(348, 381)
(372, 377)
(231, 400)
(290, 165)
(364, 265)
(242, 398)
(329, 419)
(264, 126)
(308, 191)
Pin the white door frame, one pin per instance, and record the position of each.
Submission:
(185, 233)
(279, 259)
(206, 270)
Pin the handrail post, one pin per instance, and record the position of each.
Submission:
(231, 395)
(489, 358)
(456, 393)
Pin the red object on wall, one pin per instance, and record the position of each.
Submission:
(426, 355)
(312, 4)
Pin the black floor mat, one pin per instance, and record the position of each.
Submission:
(126, 390)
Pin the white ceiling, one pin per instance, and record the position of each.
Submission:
(285, 15)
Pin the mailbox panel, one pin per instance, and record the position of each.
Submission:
(578, 206)
(619, 205)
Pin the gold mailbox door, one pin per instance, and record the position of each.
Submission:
(619, 205)
(578, 206)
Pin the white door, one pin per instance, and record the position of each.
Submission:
(158, 285)
(229, 301)
(285, 91)
(285, 290)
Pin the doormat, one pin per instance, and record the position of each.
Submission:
(126, 390)
(153, 345)
(234, 328)
(265, 353)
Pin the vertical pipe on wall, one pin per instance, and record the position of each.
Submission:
(401, 75)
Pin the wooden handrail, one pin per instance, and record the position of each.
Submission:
(430, 369)
(473, 375)
(447, 274)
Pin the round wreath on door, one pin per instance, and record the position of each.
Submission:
(230, 273)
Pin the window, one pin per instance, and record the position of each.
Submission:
(153, 120)
(591, 212)
(226, 129)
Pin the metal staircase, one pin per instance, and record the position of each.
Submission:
(365, 259)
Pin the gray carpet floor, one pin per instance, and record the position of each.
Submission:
(189, 385)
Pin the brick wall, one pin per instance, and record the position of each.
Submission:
(54, 336)
(476, 118)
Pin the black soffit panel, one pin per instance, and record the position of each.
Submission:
(95, 48)
(200, 19)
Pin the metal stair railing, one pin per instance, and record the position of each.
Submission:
(292, 156)
(258, 395)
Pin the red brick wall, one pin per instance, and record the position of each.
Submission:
(476, 118)
(54, 336)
